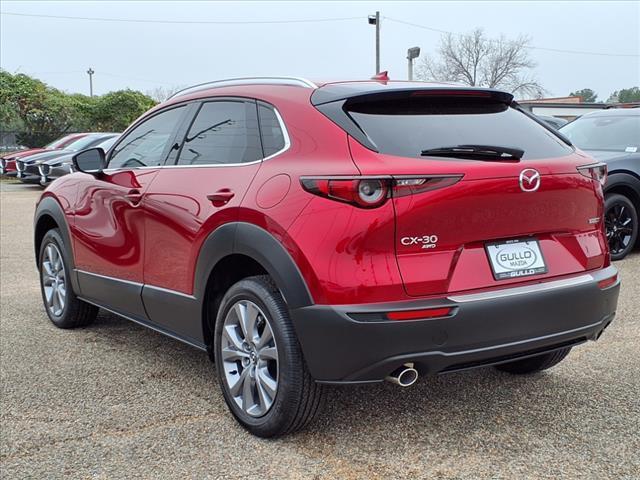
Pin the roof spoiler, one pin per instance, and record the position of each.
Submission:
(375, 91)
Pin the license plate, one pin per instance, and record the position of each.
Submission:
(515, 258)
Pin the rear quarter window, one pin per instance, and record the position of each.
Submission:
(405, 127)
(273, 139)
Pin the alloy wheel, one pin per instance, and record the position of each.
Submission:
(54, 280)
(250, 358)
(619, 226)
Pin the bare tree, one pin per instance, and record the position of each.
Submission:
(160, 94)
(474, 59)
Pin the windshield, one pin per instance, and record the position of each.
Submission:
(59, 143)
(86, 142)
(410, 126)
(619, 133)
(107, 144)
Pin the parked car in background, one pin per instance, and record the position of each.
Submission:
(59, 166)
(553, 122)
(613, 136)
(27, 167)
(347, 232)
(8, 160)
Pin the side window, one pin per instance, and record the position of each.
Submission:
(223, 132)
(145, 145)
(272, 135)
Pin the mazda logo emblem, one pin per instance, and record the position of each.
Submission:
(529, 180)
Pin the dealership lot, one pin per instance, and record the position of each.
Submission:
(116, 400)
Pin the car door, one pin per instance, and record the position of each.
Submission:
(220, 155)
(108, 228)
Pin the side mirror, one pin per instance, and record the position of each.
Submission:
(91, 161)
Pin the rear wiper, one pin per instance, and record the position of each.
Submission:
(485, 152)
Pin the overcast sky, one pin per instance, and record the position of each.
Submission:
(145, 55)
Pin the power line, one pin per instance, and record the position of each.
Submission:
(557, 50)
(185, 22)
(309, 20)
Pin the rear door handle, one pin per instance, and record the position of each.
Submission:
(221, 197)
(134, 196)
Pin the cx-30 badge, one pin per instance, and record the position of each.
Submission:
(529, 180)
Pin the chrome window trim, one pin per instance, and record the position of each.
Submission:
(526, 289)
(287, 145)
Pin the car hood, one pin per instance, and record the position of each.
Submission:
(47, 155)
(22, 153)
(66, 158)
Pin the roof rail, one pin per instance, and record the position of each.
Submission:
(301, 82)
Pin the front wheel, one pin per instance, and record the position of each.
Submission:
(64, 309)
(260, 366)
(621, 224)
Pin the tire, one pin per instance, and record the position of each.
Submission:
(297, 396)
(535, 364)
(621, 224)
(64, 310)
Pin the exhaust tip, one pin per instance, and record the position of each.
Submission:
(404, 376)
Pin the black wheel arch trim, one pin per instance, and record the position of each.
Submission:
(622, 178)
(49, 206)
(258, 244)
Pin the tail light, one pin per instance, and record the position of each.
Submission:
(411, 186)
(372, 192)
(596, 171)
(364, 192)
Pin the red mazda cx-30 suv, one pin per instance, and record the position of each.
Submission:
(347, 232)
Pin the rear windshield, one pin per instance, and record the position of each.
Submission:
(614, 133)
(406, 127)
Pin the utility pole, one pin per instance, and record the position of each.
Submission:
(412, 54)
(375, 20)
(90, 72)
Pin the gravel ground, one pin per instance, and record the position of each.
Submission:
(116, 400)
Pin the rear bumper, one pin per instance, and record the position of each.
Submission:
(354, 343)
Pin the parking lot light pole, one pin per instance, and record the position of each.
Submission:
(90, 72)
(375, 20)
(412, 54)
